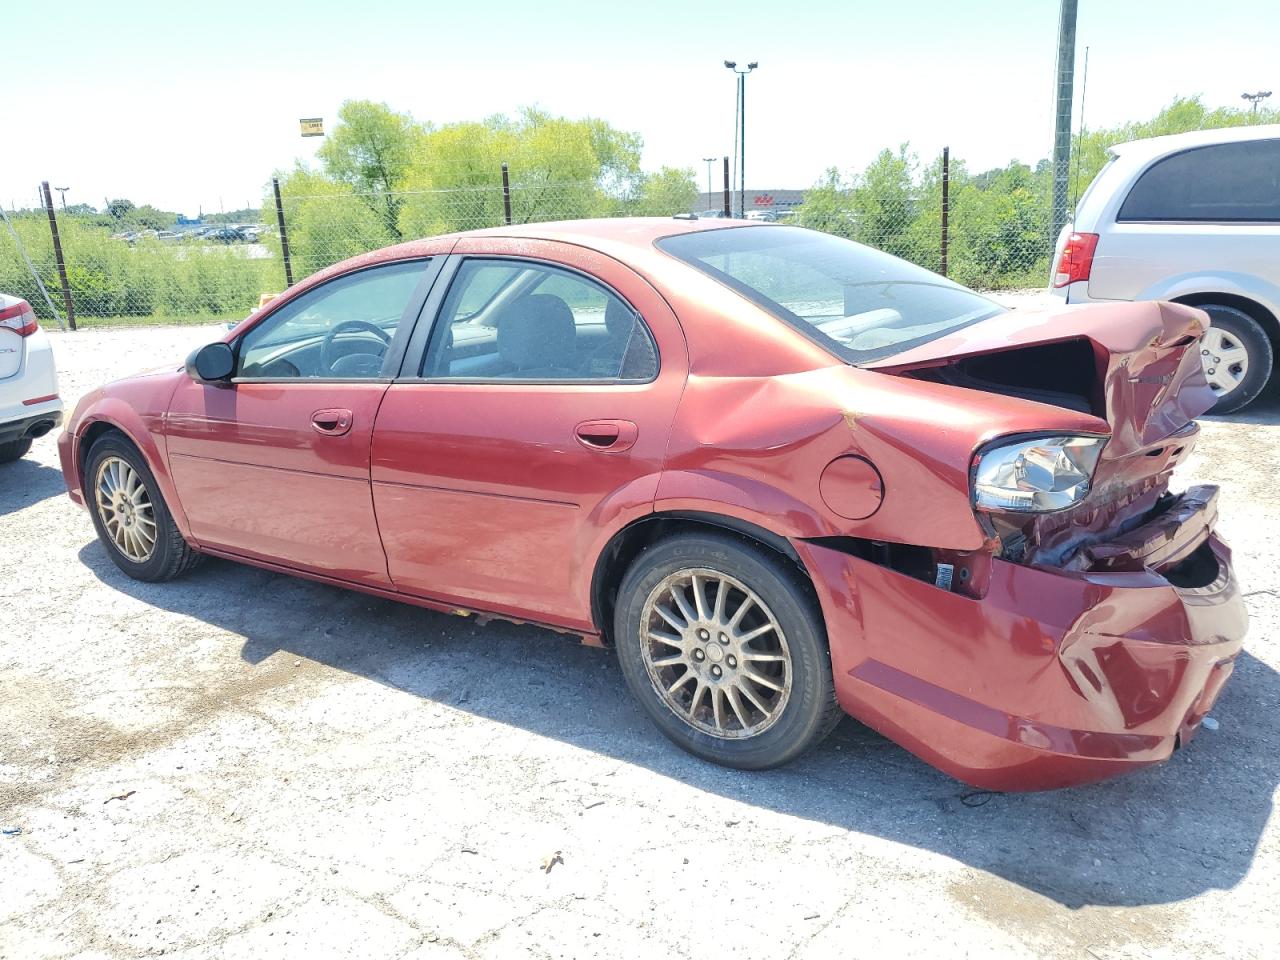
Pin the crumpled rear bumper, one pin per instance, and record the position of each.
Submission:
(1054, 678)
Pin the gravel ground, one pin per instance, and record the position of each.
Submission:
(240, 764)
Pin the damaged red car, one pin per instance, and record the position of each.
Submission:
(783, 474)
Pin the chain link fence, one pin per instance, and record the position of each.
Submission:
(997, 237)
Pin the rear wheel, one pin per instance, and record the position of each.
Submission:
(1237, 356)
(725, 651)
(131, 518)
(13, 450)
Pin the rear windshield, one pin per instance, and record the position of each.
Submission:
(859, 303)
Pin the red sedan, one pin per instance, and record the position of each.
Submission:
(784, 474)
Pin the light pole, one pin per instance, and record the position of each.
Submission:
(62, 191)
(742, 129)
(1254, 99)
(708, 161)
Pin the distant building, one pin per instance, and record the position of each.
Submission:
(775, 200)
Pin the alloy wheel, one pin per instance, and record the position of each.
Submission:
(125, 508)
(1225, 360)
(715, 654)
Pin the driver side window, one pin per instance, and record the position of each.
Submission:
(341, 329)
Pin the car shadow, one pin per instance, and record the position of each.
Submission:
(25, 482)
(1160, 835)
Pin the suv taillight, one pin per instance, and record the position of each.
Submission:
(1077, 259)
(19, 318)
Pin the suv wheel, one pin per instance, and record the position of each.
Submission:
(1237, 356)
(13, 450)
(725, 651)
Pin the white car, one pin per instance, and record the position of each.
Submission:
(29, 402)
(1193, 218)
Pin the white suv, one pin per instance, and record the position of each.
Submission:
(29, 403)
(1194, 218)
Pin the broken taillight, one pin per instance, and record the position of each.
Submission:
(1077, 259)
(20, 318)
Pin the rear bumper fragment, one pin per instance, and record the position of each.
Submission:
(1054, 678)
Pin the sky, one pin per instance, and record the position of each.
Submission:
(193, 105)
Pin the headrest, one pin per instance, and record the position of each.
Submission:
(536, 330)
(618, 319)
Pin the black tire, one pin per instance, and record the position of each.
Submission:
(171, 556)
(14, 450)
(1246, 331)
(810, 711)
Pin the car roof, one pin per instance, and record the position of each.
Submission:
(1141, 151)
(613, 232)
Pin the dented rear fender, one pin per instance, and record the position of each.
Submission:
(758, 448)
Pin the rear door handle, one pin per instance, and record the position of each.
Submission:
(607, 436)
(333, 422)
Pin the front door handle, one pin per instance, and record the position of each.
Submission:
(607, 436)
(332, 422)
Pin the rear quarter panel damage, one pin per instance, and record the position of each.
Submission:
(756, 448)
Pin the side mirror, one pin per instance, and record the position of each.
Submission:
(212, 363)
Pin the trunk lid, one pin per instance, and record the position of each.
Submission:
(1134, 365)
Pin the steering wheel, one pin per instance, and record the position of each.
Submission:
(360, 363)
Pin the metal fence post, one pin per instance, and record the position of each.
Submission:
(727, 211)
(57, 254)
(284, 235)
(506, 195)
(946, 203)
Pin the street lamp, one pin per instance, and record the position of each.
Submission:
(63, 193)
(708, 161)
(740, 118)
(1254, 98)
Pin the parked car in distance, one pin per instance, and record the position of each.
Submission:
(764, 216)
(712, 215)
(225, 235)
(1193, 218)
(29, 402)
(783, 474)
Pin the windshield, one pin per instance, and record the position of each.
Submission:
(859, 303)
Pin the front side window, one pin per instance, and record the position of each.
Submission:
(518, 320)
(1223, 183)
(341, 329)
(858, 302)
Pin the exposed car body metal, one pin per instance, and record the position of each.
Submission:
(1071, 645)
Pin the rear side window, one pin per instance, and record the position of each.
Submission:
(521, 320)
(1224, 183)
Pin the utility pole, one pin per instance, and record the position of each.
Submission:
(62, 192)
(1062, 116)
(67, 303)
(742, 130)
(708, 161)
(1254, 99)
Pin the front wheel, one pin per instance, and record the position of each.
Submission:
(131, 518)
(725, 651)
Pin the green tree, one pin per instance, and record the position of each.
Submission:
(327, 221)
(558, 169)
(371, 149)
(119, 209)
(828, 206)
(670, 190)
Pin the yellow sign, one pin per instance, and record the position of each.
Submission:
(312, 126)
